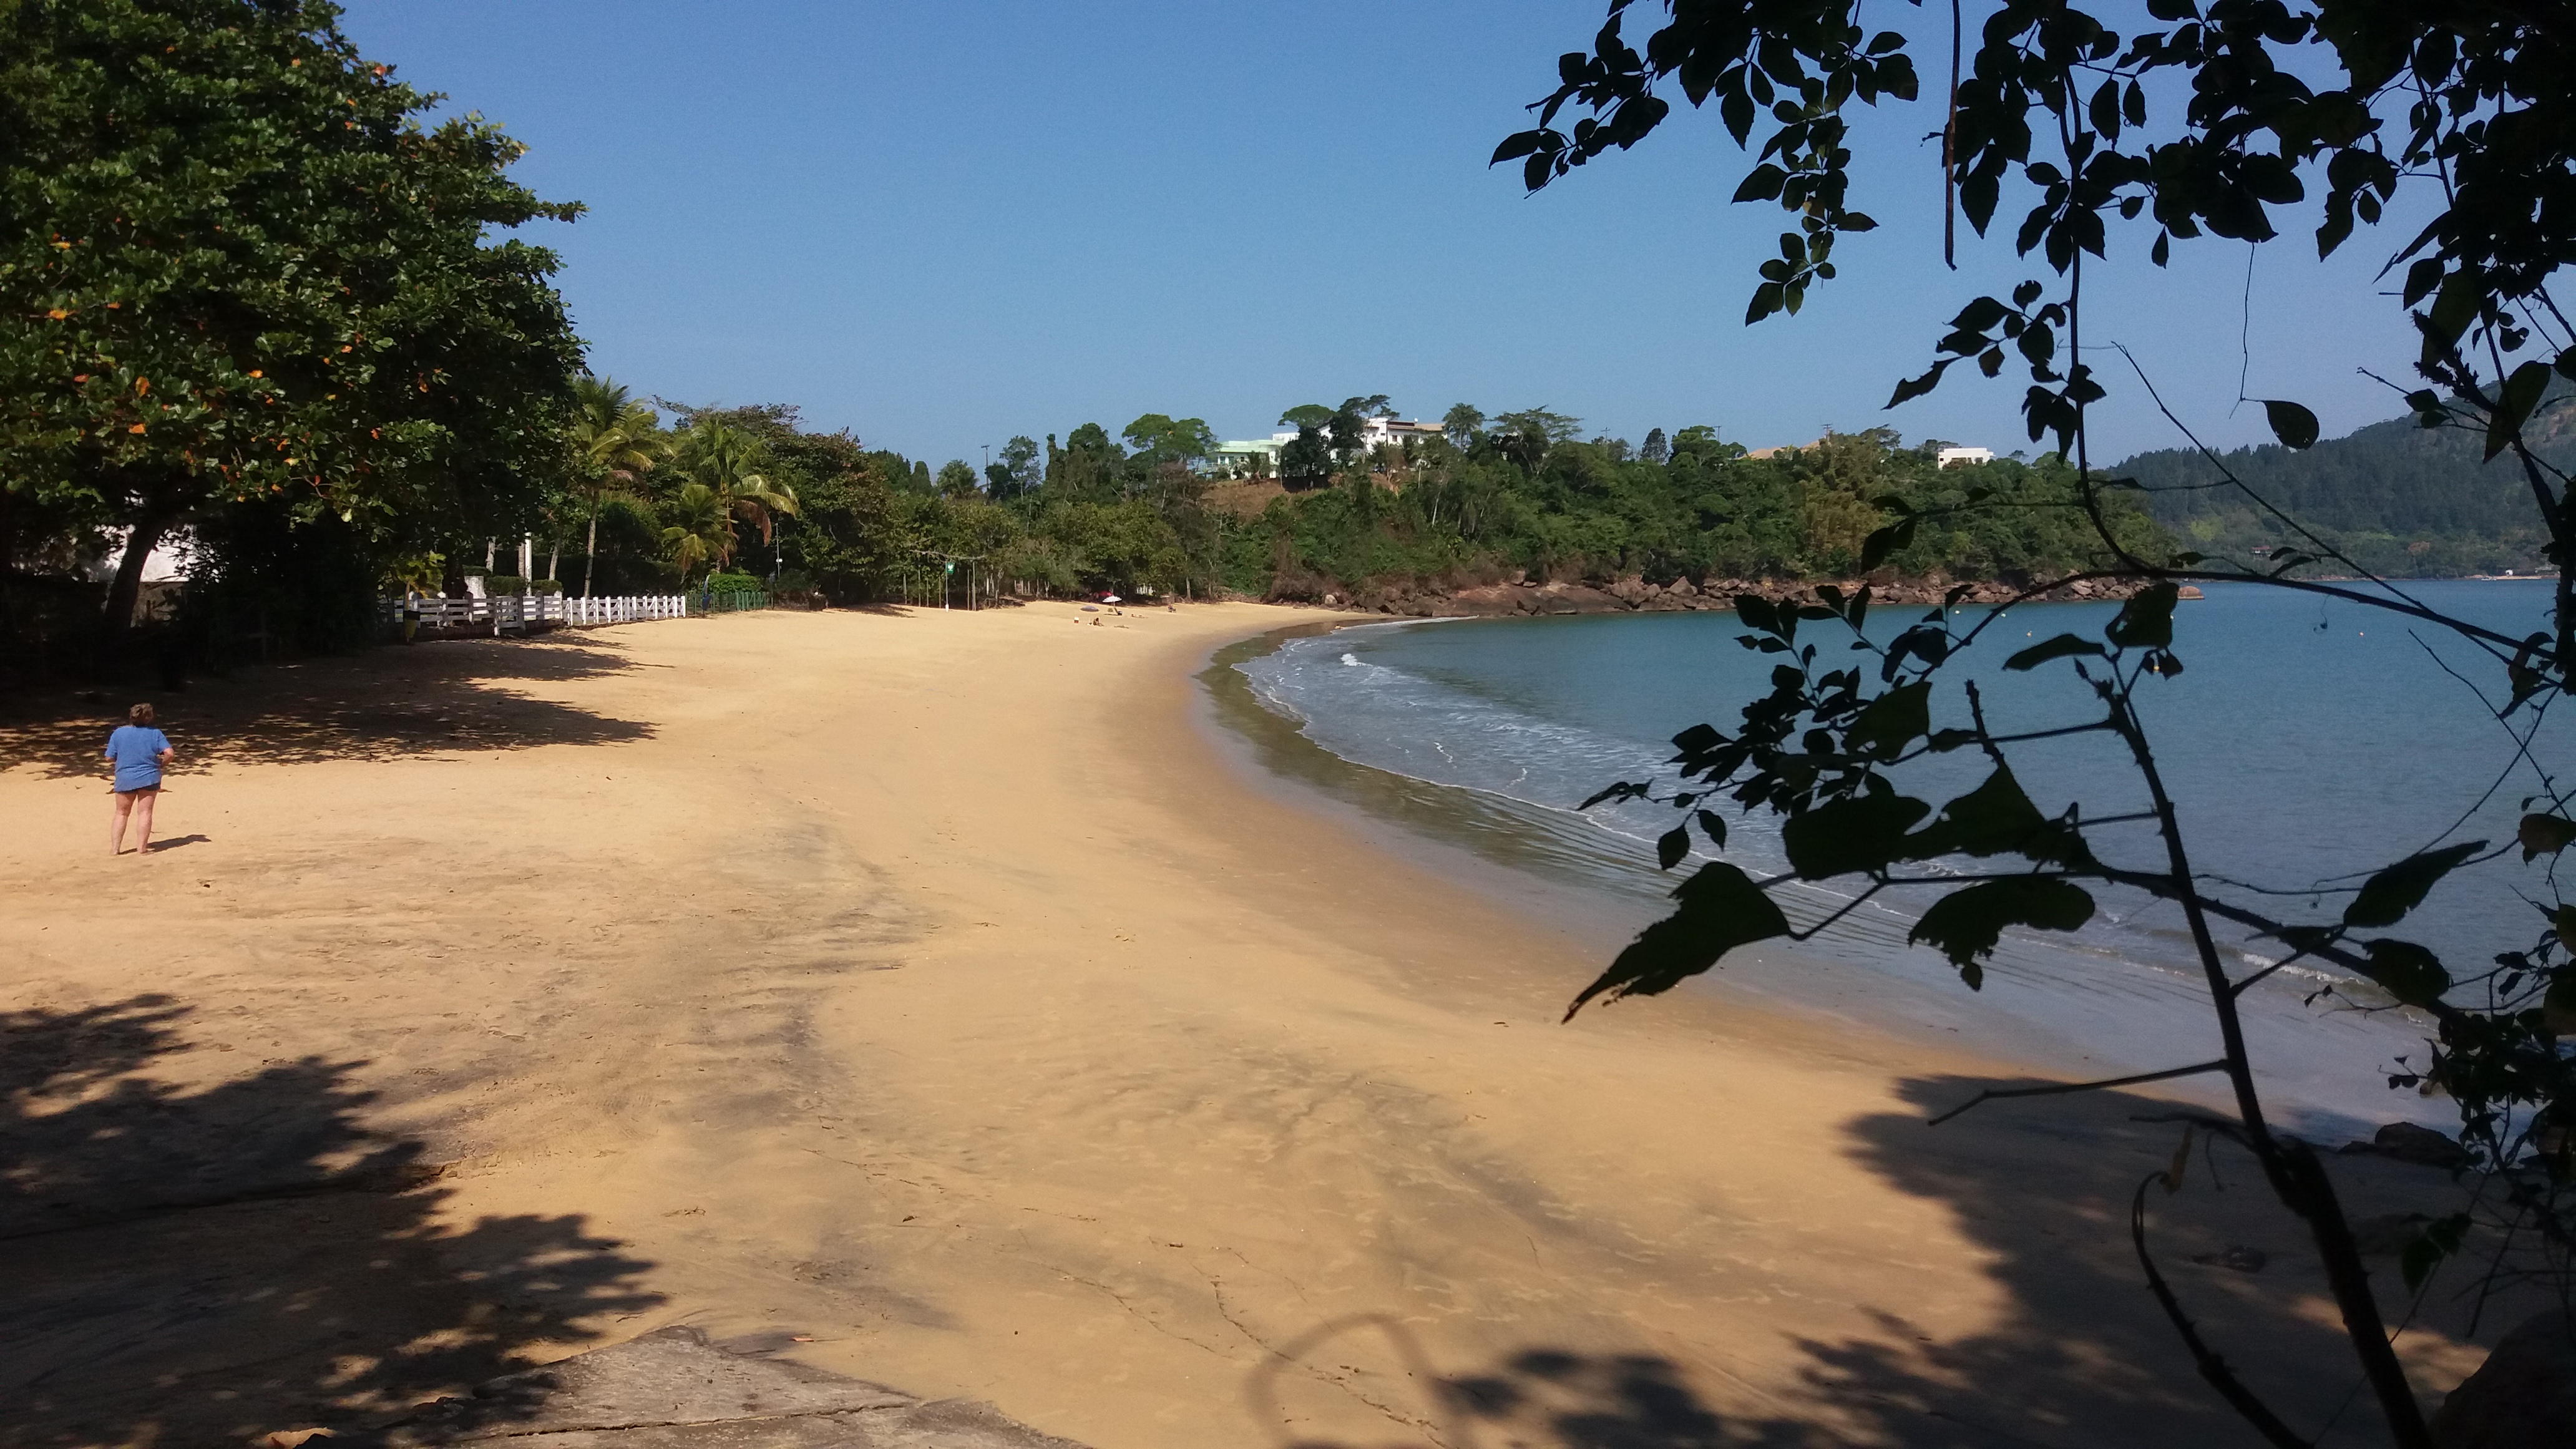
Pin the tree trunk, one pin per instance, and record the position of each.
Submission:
(127, 586)
(590, 552)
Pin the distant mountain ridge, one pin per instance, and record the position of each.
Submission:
(2402, 501)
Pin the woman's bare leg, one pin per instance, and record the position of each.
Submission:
(143, 821)
(117, 807)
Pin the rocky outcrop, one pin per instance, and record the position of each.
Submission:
(1636, 595)
(2522, 1397)
(2407, 1142)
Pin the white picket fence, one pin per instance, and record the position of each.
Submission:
(518, 613)
(628, 610)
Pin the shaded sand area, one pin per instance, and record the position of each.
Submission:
(924, 998)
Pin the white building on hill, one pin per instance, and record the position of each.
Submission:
(1392, 431)
(1964, 456)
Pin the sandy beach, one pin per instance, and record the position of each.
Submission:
(929, 994)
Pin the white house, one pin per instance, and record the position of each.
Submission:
(1391, 431)
(1964, 456)
(1241, 453)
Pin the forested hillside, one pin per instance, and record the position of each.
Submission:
(2400, 500)
(1516, 494)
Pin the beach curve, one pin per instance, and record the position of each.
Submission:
(921, 988)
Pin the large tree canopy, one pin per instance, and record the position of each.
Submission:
(238, 266)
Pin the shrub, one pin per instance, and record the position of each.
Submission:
(735, 584)
(497, 586)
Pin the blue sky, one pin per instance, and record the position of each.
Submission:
(939, 225)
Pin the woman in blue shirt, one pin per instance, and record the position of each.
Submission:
(139, 752)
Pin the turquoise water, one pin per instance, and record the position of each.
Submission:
(2305, 741)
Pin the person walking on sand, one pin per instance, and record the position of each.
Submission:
(139, 753)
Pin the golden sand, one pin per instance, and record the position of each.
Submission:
(924, 991)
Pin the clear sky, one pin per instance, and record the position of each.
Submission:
(940, 225)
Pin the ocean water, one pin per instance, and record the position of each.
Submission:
(2305, 741)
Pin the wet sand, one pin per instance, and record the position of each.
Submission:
(925, 995)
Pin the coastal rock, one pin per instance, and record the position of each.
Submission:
(1519, 594)
(2522, 1397)
(2236, 1256)
(2407, 1142)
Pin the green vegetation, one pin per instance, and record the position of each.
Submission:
(2400, 500)
(1522, 495)
(252, 296)
(268, 310)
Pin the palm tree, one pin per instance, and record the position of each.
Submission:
(699, 528)
(725, 461)
(615, 438)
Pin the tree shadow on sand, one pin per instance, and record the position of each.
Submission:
(204, 1264)
(2073, 1354)
(379, 705)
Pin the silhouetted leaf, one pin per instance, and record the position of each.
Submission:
(1860, 833)
(2386, 897)
(1714, 826)
(2545, 835)
(1670, 847)
(1882, 542)
(1721, 909)
(2061, 647)
(2515, 400)
(1966, 924)
(1736, 110)
(1914, 387)
(1891, 721)
(2147, 619)
(2558, 1003)
(1762, 183)
(2439, 1240)
(2294, 425)
(2407, 971)
(1997, 818)
(1621, 790)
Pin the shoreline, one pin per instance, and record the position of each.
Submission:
(1527, 598)
(2065, 1009)
(1524, 597)
(930, 994)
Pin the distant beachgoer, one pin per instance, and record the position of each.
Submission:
(139, 753)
